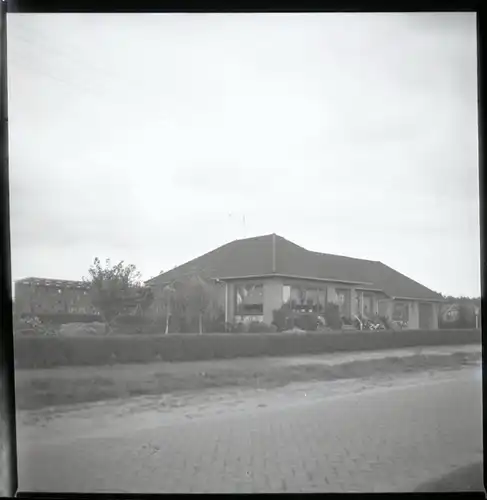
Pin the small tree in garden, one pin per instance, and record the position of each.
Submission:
(113, 288)
(189, 301)
(164, 303)
(196, 299)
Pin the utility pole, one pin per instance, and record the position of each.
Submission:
(8, 455)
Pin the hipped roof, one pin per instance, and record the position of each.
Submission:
(274, 255)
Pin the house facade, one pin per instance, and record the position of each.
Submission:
(257, 276)
(256, 298)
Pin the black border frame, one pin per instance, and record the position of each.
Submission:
(7, 382)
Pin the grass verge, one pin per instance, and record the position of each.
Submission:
(36, 389)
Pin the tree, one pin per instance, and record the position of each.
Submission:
(197, 299)
(189, 300)
(164, 302)
(114, 289)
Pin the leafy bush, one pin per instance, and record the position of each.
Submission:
(132, 320)
(332, 316)
(283, 318)
(307, 322)
(38, 351)
(260, 327)
(56, 319)
(386, 322)
(216, 325)
(240, 328)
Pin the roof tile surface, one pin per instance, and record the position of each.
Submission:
(256, 257)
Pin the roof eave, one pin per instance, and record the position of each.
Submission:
(419, 299)
(292, 276)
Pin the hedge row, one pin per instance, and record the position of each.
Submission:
(46, 352)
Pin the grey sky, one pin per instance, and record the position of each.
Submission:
(136, 136)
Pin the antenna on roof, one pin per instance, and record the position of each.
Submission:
(244, 227)
(273, 252)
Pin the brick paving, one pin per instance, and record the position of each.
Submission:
(373, 441)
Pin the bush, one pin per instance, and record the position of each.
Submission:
(260, 327)
(283, 318)
(46, 352)
(332, 316)
(307, 322)
(63, 318)
(386, 322)
(240, 328)
(131, 320)
(216, 325)
(287, 319)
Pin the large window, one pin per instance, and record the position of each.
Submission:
(400, 311)
(343, 300)
(286, 294)
(250, 300)
(304, 299)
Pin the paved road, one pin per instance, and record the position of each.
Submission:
(378, 439)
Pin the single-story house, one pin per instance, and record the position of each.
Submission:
(258, 275)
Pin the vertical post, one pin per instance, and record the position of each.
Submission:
(226, 303)
(8, 447)
(273, 253)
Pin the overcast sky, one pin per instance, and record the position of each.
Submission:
(149, 138)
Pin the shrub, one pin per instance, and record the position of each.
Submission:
(240, 328)
(332, 316)
(386, 322)
(63, 318)
(45, 352)
(286, 319)
(260, 327)
(132, 320)
(307, 322)
(279, 318)
(216, 325)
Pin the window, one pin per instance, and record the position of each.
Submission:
(307, 299)
(321, 300)
(368, 306)
(286, 294)
(343, 300)
(400, 312)
(250, 300)
(311, 298)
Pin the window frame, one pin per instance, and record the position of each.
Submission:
(242, 309)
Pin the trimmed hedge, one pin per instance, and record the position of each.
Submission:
(47, 352)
